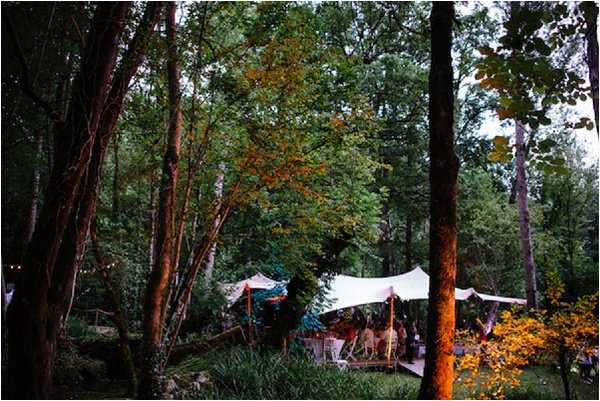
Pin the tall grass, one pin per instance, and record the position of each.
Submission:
(249, 374)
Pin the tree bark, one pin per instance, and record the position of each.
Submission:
(591, 38)
(35, 187)
(303, 287)
(528, 263)
(490, 320)
(152, 244)
(43, 291)
(210, 260)
(564, 370)
(385, 241)
(438, 374)
(115, 187)
(153, 358)
(408, 260)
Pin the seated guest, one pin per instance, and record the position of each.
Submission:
(385, 340)
(401, 350)
(367, 340)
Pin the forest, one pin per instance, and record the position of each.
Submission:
(299, 200)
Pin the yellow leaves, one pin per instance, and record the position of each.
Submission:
(505, 113)
(336, 122)
(281, 67)
(521, 339)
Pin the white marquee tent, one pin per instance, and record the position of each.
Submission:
(346, 291)
(233, 291)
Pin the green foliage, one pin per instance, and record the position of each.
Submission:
(522, 70)
(78, 328)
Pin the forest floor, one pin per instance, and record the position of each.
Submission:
(239, 373)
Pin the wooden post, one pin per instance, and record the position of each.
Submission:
(249, 311)
(389, 344)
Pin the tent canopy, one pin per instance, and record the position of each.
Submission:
(347, 291)
(233, 291)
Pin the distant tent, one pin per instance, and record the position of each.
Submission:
(347, 291)
(234, 291)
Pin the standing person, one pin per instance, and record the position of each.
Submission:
(410, 340)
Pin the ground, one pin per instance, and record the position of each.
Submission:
(239, 373)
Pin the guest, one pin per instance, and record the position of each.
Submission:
(385, 340)
(367, 339)
(401, 350)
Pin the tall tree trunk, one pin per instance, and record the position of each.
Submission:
(564, 370)
(490, 320)
(153, 211)
(153, 358)
(115, 188)
(73, 247)
(35, 187)
(43, 292)
(304, 286)
(118, 316)
(528, 264)
(438, 374)
(210, 260)
(408, 260)
(385, 241)
(591, 37)
(4, 301)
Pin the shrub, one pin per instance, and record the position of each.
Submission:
(78, 328)
(71, 368)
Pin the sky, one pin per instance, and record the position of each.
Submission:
(491, 125)
(588, 139)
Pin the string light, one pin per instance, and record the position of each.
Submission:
(94, 270)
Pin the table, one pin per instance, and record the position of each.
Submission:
(316, 346)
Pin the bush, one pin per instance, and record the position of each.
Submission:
(78, 328)
(71, 368)
(250, 374)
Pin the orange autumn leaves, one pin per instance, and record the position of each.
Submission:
(520, 340)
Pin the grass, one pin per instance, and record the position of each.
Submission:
(240, 373)
(543, 382)
(244, 374)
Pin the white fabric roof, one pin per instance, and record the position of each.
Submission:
(497, 298)
(233, 291)
(346, 291)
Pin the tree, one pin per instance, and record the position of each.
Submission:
(529, 80)
(158, 284)
(44, 292)
(524, 224)
(590, 12)
(438, 373)
(70, 201)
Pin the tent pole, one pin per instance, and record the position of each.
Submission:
(389, 344)
(249, 310)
